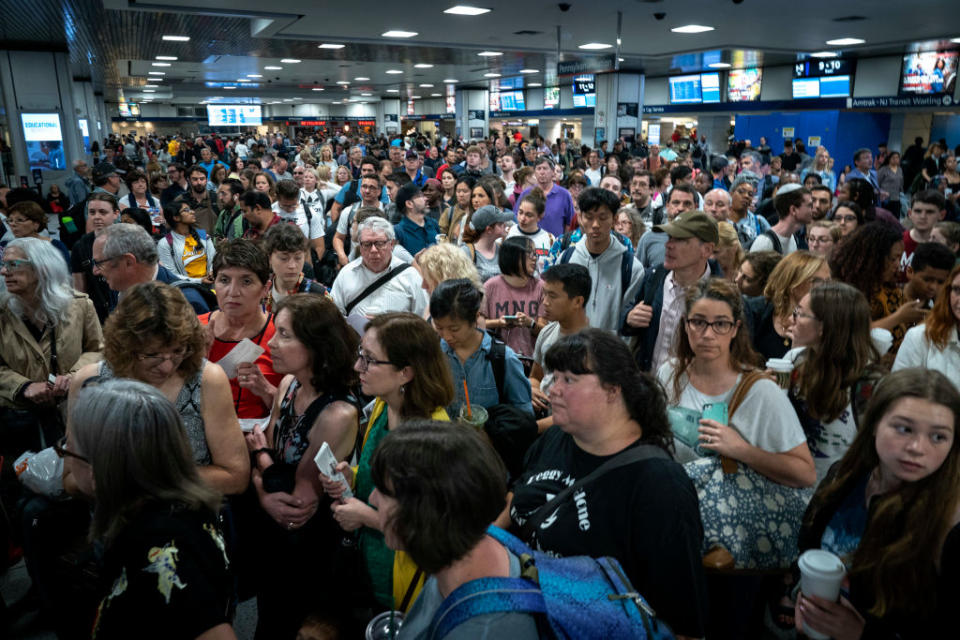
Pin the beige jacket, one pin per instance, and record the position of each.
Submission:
(23, 359)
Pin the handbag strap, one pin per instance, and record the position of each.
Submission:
(410, 589)
(749, 379)
(376, 284)
(54, 363)
(622, 459)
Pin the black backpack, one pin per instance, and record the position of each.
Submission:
(205, 292)
(511, 429)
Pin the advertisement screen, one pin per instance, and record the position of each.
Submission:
(743, 85)
(44, 139)
(551, 97)
(124, 110)
(233, 115)
(494, 101)
(85, 133)
(929, 73)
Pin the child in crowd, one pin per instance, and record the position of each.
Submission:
(529, 214)
(927, 272)
(947, 234)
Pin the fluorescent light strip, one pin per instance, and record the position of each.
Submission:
(166, 57)
(156, 73)
(490, 54)
(491, 75)
(824, 54)
(423, 65)
(845, 42)
(465, 10)
(451, 80)
(289, 60)
(529, 70)
(331, 45)
(361, 78)
(394, 71)
(719, 65)
(274, 68)
(592, 46)
(692, 28)
(398, 33)
(159, 64)
(177, 38)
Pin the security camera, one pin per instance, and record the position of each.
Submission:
(660, 15)
(564, 6)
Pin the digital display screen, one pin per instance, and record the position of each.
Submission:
(584, 91)
(825, 87)
(494, 101)
(819, 67)
(512, 101)
(551, 97)
(743, 85)
(44, 138)
(694, 89)
(124, 110)
(234, 115)
(929, 73)
(85, 133)
(710, 87)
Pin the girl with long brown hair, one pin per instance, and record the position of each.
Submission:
(889, 509)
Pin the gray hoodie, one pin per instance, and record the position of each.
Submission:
(607, 302)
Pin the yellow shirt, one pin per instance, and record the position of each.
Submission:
(194, 258)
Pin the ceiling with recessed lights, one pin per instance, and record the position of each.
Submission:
(324, 52)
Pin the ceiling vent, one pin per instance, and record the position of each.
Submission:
(850, 19)
(527, 32)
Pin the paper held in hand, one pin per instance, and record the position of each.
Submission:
(327, 463)
(245, 351)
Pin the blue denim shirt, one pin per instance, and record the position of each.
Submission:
(478, 372)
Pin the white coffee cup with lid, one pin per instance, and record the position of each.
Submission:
(821, 574)
(782, 368)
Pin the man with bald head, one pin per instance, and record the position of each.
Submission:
(716, 203)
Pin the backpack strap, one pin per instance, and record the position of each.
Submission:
(774, 240)
(169, 238)
(566, 255)
(498, 362)
(626, 272)
(483, 596)
(622, 459)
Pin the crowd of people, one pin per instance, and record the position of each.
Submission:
(314, 371)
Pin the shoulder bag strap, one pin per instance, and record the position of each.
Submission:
(54, 364)
(749, 379)
(376, 284)
(634, 454)
(410, 589)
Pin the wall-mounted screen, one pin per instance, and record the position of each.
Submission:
(44, 139)
(234, 115)
(512, 101)
(929, 73)
(710, 86)
(85, 133)
(695, 88)
(743, 85)
(584, 91)
(551, 97)
(825, 87)
(494, 100)
(124, 109)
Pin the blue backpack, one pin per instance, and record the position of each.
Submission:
(577, 598)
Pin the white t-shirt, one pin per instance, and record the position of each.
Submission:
(764, 243)
(542, 242)
(343, 222)
(545, 339)
(765, 418)
(312, 228)
(594, 176)
(404, 292)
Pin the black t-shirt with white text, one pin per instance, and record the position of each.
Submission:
(644, 514)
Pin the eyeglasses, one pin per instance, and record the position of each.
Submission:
(720, 327)
(98, 264)
(14, 265)
(12, 220)
(846, 218)
(60, 448)
(365, 360)
(798, 313)
(153, 359)
(370, 244)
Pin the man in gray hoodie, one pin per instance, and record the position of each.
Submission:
(614, 271)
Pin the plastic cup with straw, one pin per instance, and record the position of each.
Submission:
(473, 416)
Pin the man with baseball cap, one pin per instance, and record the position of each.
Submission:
(660, 303)
(416, 231)
(106, 178)
(413, 167)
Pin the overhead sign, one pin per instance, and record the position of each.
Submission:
(900, 101)
(476, 114)
(590, 64)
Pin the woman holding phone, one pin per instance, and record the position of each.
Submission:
(314, 348)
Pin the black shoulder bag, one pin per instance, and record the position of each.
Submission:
(376, 284)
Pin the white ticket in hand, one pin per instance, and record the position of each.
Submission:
(245, 351)
(327, 463)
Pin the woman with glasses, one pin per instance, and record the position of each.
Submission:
(315, 349)
(153, 336)
(934, 344)
(399, 363)
(848, 215)
(511, 304)
(184, 249)
(241, 273)
(154, 512)
(643, 513)
(832, 352)
(769, 314)
(26, 220)
(48, 332)
(822, 237)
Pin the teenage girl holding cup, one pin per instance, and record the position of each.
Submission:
(890, 510)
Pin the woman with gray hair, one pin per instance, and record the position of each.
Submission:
(164, 554)
(47, 332)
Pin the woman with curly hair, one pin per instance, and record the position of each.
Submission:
(643, 513)
(869, 260)
(154, 336)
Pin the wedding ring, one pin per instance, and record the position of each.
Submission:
(289, 525)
